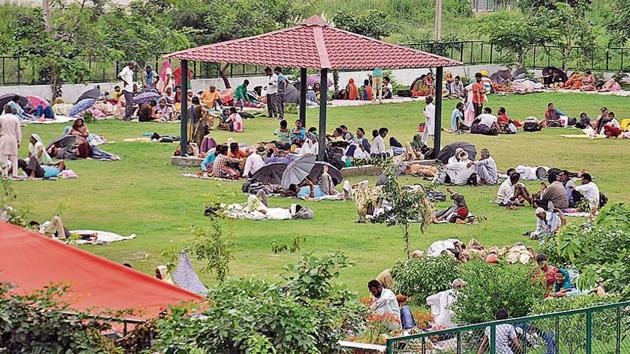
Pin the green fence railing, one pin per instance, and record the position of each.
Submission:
(603, 329)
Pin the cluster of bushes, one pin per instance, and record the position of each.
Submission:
(305, 314)
(489, 287)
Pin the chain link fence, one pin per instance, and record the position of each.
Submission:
(597, 330)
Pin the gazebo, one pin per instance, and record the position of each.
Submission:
(314, 44)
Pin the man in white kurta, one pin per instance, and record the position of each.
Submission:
(10, 138)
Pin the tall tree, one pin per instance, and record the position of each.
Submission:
(619, 24)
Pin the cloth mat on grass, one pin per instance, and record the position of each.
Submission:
(103, 237)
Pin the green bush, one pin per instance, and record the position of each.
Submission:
(305, 315)
(35, 323)
(489, 287)
(600, 250)
(422, 277)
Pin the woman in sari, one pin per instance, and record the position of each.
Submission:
(588, 82)
(367, 91)
(351, 89)
(166, 77)
(81, 132)
(469, 112)
(574, 82)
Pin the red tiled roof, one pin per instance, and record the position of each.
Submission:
(315, 45)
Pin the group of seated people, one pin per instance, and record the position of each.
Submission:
(39, 163)
(366, 91)
(562, 193)
(27, 111)
(556, 78)
(460, 170)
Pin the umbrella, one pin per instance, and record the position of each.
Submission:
(4, 99)
(36, 101)
(318, 169)
(315, 79)
(449, 151)
(93, 93)
(292, 94)
(298, 170)
(270, 174)
(146, 97)
(501, 76)
(63, 141)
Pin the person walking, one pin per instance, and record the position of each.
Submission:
(272, 92)
(10, 138)
(126, 76)
(478, 94)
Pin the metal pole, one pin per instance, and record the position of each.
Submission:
(589, 331)
(437, 133)
(184, 117)
(557, 335)
(493, 339)
(618, 330)
(303, 79)
(323, 97)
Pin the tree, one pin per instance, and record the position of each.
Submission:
(569, 27)
(370, 23)
(405, 207)
(515, 35)
(619, 24)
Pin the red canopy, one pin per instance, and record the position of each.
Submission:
(30, 261)
(314, 44)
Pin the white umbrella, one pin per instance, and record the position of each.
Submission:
(298, 170)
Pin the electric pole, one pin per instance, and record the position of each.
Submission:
(438, 20)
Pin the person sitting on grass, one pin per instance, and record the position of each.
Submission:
(506, 341)
(563, 286)
(486, 169)
(146, 112)
(384, 303)
(298, 134)
(37, 151)
(507, 125)
(456, 213)
(589, 82)
(513, 194)
(254, 161)
(555, 193)
(236, 121)
(548, 223)
(548, 271)
(164, 112)
(612, 128)
(590, 192)
(220, 166)
(283, 136)
(457, 89)
(552, 117)
(485, 123)
(457, 117)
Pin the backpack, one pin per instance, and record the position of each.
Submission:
(531, 125)
(603, 200)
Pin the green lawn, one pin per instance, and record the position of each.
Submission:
(145, 195)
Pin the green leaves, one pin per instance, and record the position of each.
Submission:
(420, 278)
(303, 315)
(214, 246)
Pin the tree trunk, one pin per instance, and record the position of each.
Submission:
(224, 77)
(406, 239)
(55, 84)
(46, 12)
(336, 80)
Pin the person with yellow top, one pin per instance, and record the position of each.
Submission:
(210, 98)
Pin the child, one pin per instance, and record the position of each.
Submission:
(283, 134)
(298, 134)
(236, 121)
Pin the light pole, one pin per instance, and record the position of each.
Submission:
(438, 20)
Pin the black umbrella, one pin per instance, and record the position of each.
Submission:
(449, 151)
(318, 169)
(94, 93)
(292, 94)
(4, 99)
(501, 76)
(270, 174)
(64, 141)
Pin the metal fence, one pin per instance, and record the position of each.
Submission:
(610, 59)
(21, 71)
(601, 329)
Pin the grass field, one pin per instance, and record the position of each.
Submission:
(145, 195)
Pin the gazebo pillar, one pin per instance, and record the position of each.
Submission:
(184, 116)
(303, 79)
(437, 133)
(323, 98)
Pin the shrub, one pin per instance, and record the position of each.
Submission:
(515, 288)
(305, 315)
(599, 249)
(422, 277)
(36, 323)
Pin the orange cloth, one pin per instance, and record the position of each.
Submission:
(353, 92)
(479, 93)
(574, 82)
